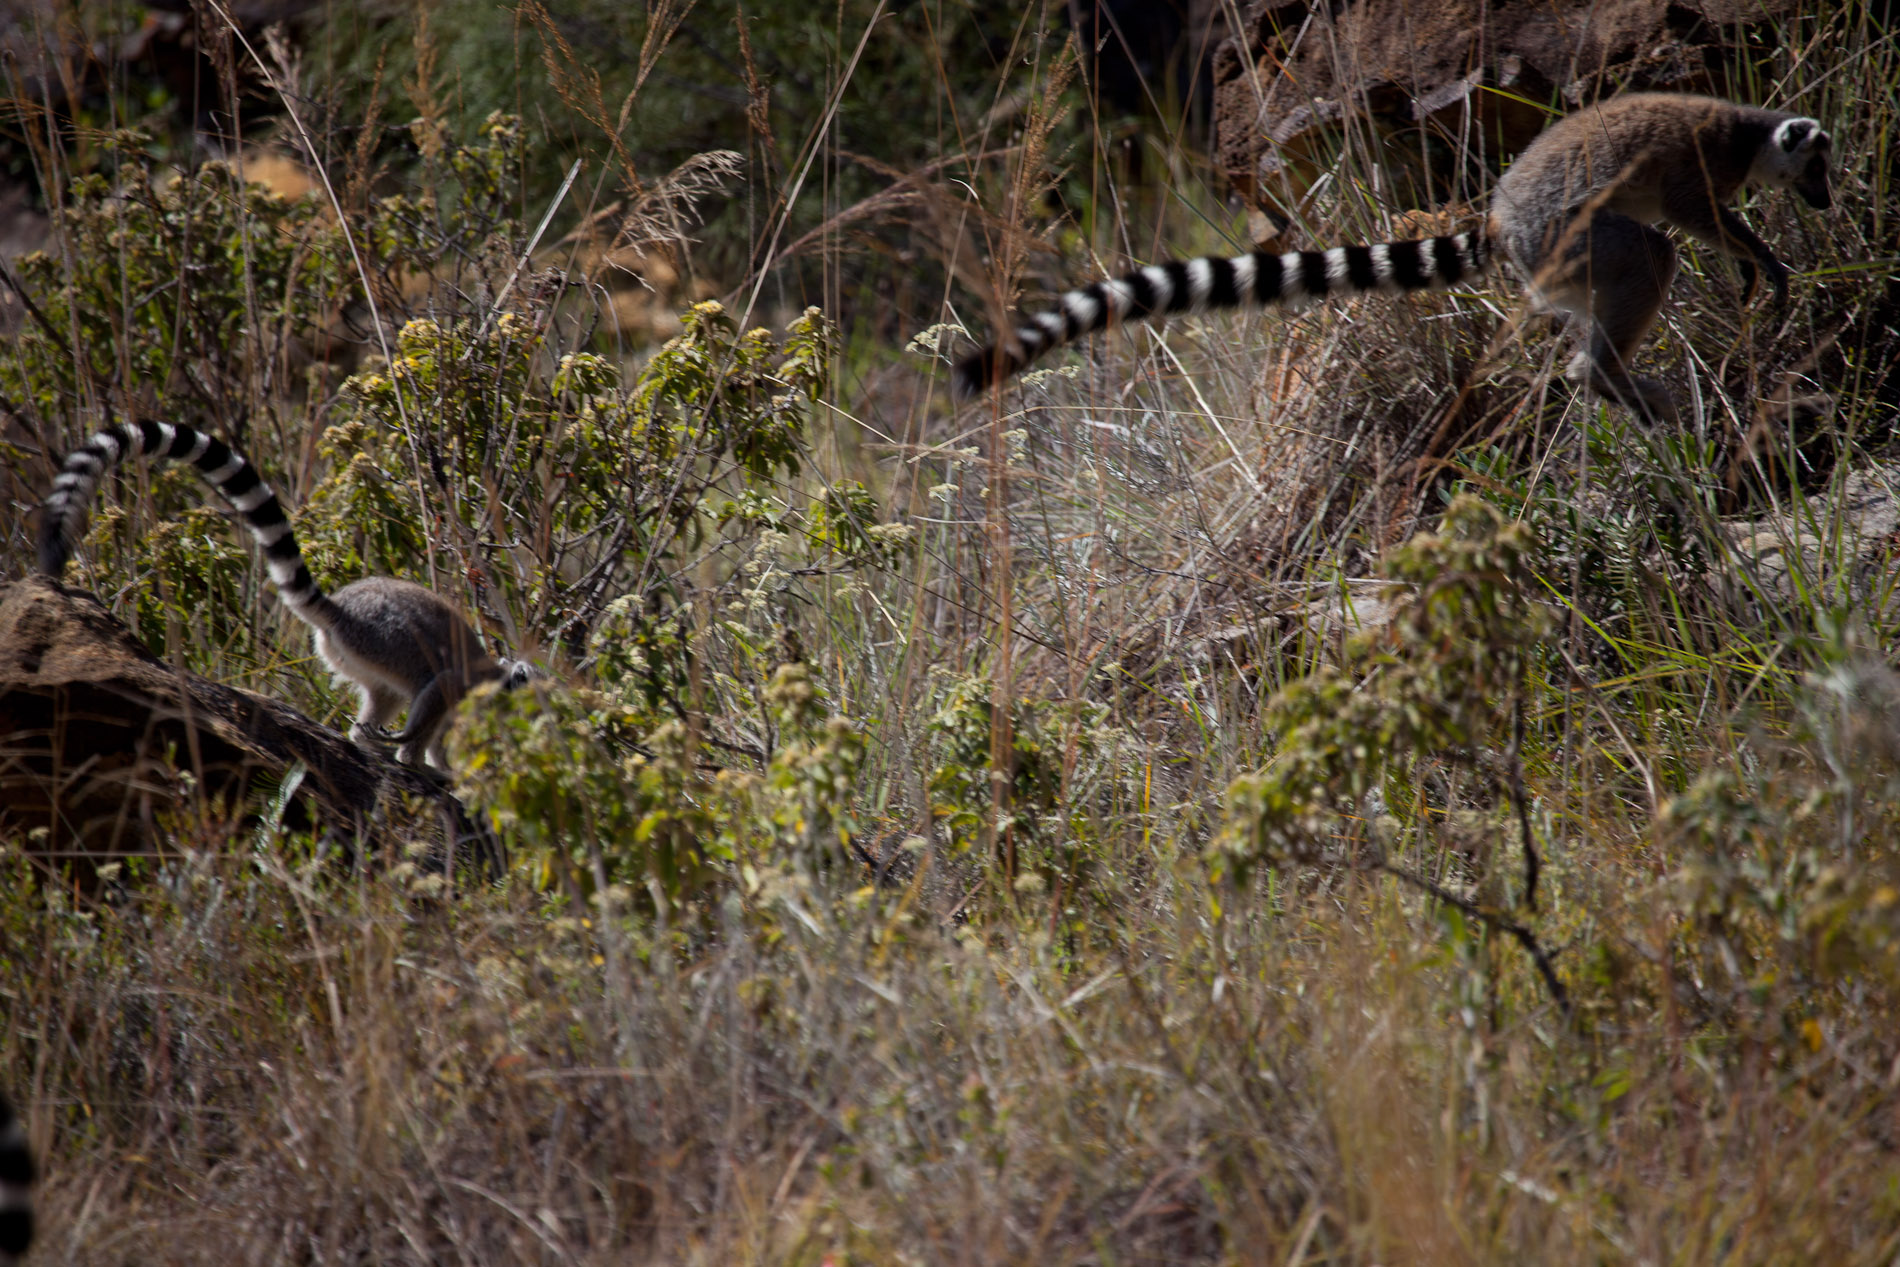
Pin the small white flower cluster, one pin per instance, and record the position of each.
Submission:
(932, 342)
(1040, 378)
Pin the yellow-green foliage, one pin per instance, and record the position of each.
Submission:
(1800, 852)
(530, 479)
(1063, 768)
(164, 274)
(554, 454)
(1446, 677)
(591, 798)
(360, 519)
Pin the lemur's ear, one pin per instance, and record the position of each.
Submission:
(1797, 134)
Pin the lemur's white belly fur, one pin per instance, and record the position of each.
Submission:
(354, 669)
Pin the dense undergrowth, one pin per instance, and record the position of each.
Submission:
(1300, 789)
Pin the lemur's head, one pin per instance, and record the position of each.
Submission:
(517, 673)
(1796, 158)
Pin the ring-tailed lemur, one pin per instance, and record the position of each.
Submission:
(1574, 212)
(16, 1187)
(395, 641)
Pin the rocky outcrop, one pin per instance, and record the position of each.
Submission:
(1839, 540)
(105, 750)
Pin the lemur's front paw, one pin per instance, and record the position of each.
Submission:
(1752, 277)
(1778, 278)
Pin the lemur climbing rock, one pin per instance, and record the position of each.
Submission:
(398, 643)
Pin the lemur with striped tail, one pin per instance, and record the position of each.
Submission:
(1575, 213)
(398, 643)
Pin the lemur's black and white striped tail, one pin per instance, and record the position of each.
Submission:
(16, 1187)
(1212, 281)
(63, 518)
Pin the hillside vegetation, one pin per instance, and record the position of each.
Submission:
(1297, 788)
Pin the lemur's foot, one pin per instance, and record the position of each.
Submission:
(1645, 397)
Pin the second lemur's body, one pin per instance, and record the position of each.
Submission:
(398, 643)
(1575, 213)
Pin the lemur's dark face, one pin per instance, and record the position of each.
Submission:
(1812, 183)
(1796, 158)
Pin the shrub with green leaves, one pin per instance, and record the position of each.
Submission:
(1061, 762)
(1420, 728)
(192, 290)
(1445, 679)
(558, 487)
(1789, 870)
(482, 447)
(606, 808)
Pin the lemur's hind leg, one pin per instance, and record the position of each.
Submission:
(429, 722)
(379, 707)
(1614, 278)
